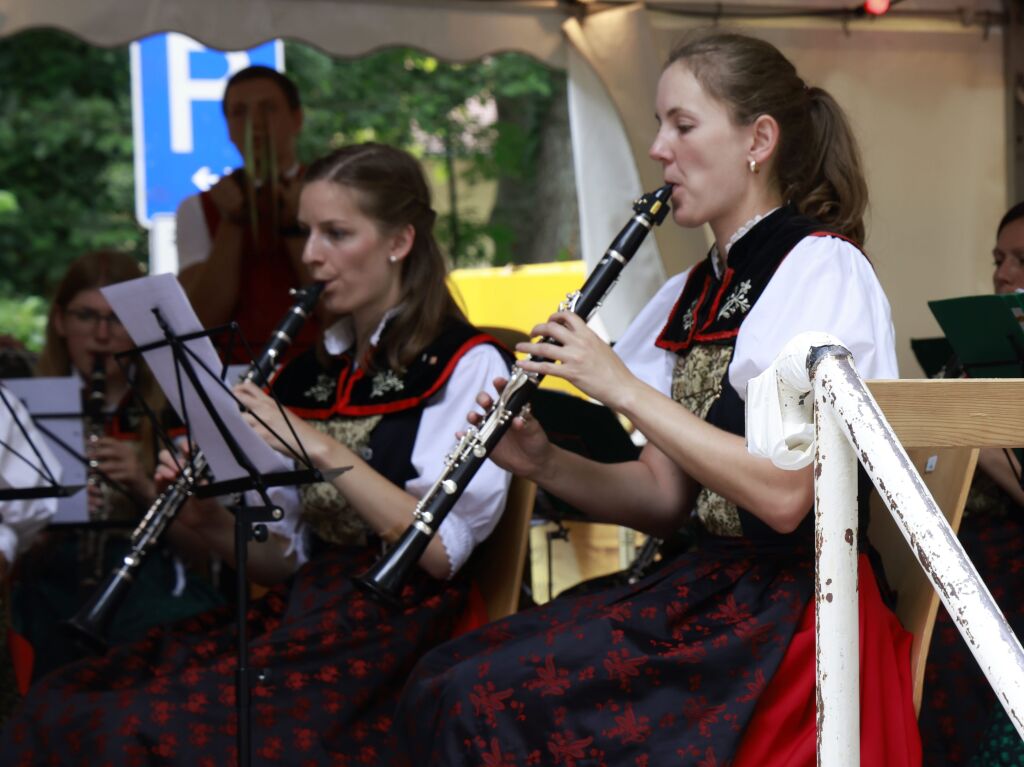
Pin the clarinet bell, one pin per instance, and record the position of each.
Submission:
(90, 624)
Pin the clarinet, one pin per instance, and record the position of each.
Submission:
(92, 620)
(95, 423)
(91, 546)
(384, 580)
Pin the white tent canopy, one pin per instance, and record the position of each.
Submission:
(925, 92)
(458, 30)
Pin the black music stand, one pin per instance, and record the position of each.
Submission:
(250, 521)
(167, 333)
(52, 487)
(85, 461)
(934, 355)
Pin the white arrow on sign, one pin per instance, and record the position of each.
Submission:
(204, 178)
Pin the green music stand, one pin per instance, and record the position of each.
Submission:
(986, 333)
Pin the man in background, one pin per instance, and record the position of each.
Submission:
(239, 244)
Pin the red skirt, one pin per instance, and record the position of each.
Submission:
(782, 730)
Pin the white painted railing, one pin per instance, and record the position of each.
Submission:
(849, 427)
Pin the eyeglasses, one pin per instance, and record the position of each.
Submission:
(90, 318)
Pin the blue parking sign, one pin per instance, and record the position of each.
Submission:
(181, 139)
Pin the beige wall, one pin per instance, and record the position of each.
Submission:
(928, 109)
(927, 103)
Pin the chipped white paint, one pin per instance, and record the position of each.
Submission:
(835, 594)
(839, 389)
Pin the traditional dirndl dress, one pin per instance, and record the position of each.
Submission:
(331, 659)
(709, 660)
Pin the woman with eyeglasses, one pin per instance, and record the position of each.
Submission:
(83, 339)
(382, 394)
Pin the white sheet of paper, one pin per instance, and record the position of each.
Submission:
(55, 404)
(234, 373)
(134, 302)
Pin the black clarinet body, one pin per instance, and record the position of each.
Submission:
(91, 622)
(264, 366)
(386, 578)
(95, 402)
(93, 542)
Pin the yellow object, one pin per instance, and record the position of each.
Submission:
(517, 297)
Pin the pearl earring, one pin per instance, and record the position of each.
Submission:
(754, 167)
(393, 259)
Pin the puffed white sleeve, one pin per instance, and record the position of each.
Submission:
(476, 513)
(192, 238)
(636, 348)
(20, 520)
(825, 284)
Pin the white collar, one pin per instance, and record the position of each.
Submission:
(716, 261)
(341, 336)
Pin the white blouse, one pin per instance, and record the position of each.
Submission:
(824, 284)
(478, 509)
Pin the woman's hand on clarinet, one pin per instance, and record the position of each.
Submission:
(276, 427)
(94, 497)
(524, 448)
(196, 513)
(580, 357)
(119, 460)
(168, 466)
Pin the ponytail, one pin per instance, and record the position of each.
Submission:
(831, 187)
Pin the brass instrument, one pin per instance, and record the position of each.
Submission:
(386, 577)
(92, 620)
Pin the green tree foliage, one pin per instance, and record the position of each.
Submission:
(66, 165)
(404, 97)
(66, 181)
(24, 318)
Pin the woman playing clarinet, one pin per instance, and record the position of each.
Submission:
(83, 339)
(382, 394)
(710, 659)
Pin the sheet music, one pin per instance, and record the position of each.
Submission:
(55, 405)
(134, 302)
(234, 373)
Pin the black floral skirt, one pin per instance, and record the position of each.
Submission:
(666, 671)
(336, 660)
